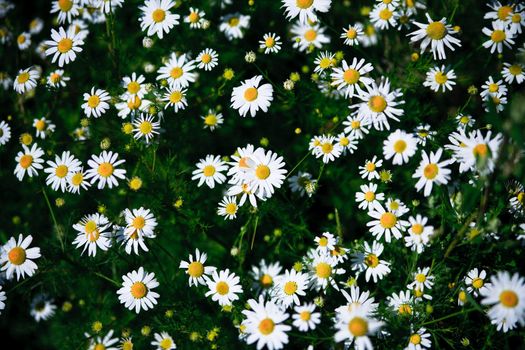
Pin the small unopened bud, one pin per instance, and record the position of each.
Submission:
(250, 57)
(147, 42)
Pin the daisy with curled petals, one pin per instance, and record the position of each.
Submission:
(327, 148)
(59, 171)
(140, 222)
(26, 80)
(401, 303)
(177, 71)
(440, 78)
(324, 61)
(23, 41)
(305, 318)
(369, 170)
(163, 341)
(96, 102)
(223, 287)
(57, 79)
(355, 327)
(28, 161)
(5, 132)
(419, 340)
(368, 198)
(67, 9)
(175, 96)
(383, 17)
(379, 104)
(431, 171)
(475, 282)
(305, 9)
(368, 262)
(517, 21)
(306, 36)
(16, 257)
(156, 17)
(252, 97)
(134, 85)
(212, 119)
(357, 299)
(351, 76)
(195, 18)
(228, 207)
(64, 46)
(385, 223)
(77, 180)
(233, 25)
(209, 171)
(43, 127)
(207, 59)
(93, 232)
(137, 290)
(271, 43)
(418, 233)
(99, 342)
(513, 71)
(322, 271)
(437, 34)
(353, 34)
(266, 172)
(400, 146)
(289, 287)
(265, 324)
(195, 269)
(506, 296)
(300, 182)
(132, 239)
(478, 151)
(104, 169)
(145, 126)
(499, 35)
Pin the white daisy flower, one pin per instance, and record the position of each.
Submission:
(368, 198)
(353, 34)
(104, 169)
(306, 36)
(64, 46)
(299, 182)
(289, 287)
(131, 104)
(305, 9)
(419, 340)
(437, 34)
(57, 79)
(514, 71)
(196, 270)
(107, 6)
(145, 126)
(356, 126)
(134, 85)
(440, 78)
(369, 170)
(424, 133)
(325, 243)
(396, 206)
(386, 223)
(163, 341)
(43, 127)
(195, 18)
(479, 152)
(400, 146)
(475, 282)
(28, 161)
(42, 308)
(137, 290)
(464, 121)
(357, 300)
(368, 262)
(175, 96)
(265, 276)
(422, 279)
(499, 35)
(492, 88)
(402, 303)
(177, 71)
(431, 171)
(383, 17)
(350, 77)
(23, 40)
(76, 180)
(370, 37)
(212, 119)
(418, 233)
(252, 97)
(499, 12)
(209, 170)
(2, 299)
(5, 132)
(271, 43)
(244, 189)
(60, 170)
(241, 164)
(266, 172)
(355, 327)
(156, 17)
(233, 25)
(99, 342)
(207, 59)
(93, 232)
(140, 222)
(67, 9)
(228, 207)
(26, 80)
(223, 287)
(305, 318)
(324, 61)
(96, 102)
(16, 257)
(517, 20)
(323, 270)
(327, 148)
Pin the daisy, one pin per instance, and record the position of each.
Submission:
(322, 271)
(327, 148)
(96, 102)
(305, 9)
(383, 17)
(252, 97)
(233, 25)
(266, 172)
(350, 77)
(209, 170)
(325, 243)
(517, 20)
(324, 61)
(465, 121)
(64, 46)
(354, 327)
(134, 85)
(289, 287)
(422, 279)
(93, 232)
(23, 40)
(305, 318)
(106, 343)
(264, 324)
(506, 296)
(424, 133)
(43, 127)
(369, 170)
(2, 299)
(418, 233)
(514, 71)
(81, 28)
(108, 6)
(5, 132)
(368, 198)
(57, 79)
(396, 206)
(479, 152)
(77, 180)
(306, 36)
(140, 222)
(244, 189)
(145, 126)
(475, 281)
(67, 9)
(59, 171)
(401, 303)
(370, 37)
(196, 270)
(104, 169)
(379, 104)
(30, 160)
(42, 308)
(356, 127)
(492, 88)
(271, 43)
(299, 183)
(437, 34)
(5, 80)
(16, 257)
(357, 300)
(177, 71)
(26, 80)
(495, 103)
(368, 262)
(223, 287)
(212, 120)
(431, 171)
(386, 223)
(240, 167)
(400, 146)
(175, 96)
(156, 17)
(500, 12)
(131, 104)
(419, 340)
(499, 35)
(228, 208)
(353, 34)
(136, 292)
(265, 275)
(440, 78)
(163, 341)
(207, 59)
(195, 18)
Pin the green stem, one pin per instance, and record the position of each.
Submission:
(449, 316)
(59, 233)
(254, 231)
(106, 278)
(295, 167)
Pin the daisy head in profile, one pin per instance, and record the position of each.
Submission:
(17, 258)
(251, 96)
(137, 290)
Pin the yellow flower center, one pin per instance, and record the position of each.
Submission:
(138, 290)
(250, 94)
(400, 146)
(166, 343)
(158, 15)
(176, 72)
(290, 288)
(310, 35)
(436, 30)
(385, 14)
(65, 45)
(325, 62)
(266, 326)
(65, 5)
(40, 125)
(504, 12)
(133, 87)
(269, 42)
(370, 196)
(462, 296)
(231, 208)
(417, 229)
(370, 166)
(100, 347)
(323, 270)
(498, 36)
(493, 87)
(208, 170)
(371, 260)
(358, 326)
(138, 222)
(145, 127)
(21, 39)
(26, 160)
(404, 309)
(134, 103)
(210, 119)
(351, 33)
(516, 18)
(421, 278)
(477, 283)
(323, 241)
(388, 220)
(195, 269)
(377, 104)
(17, 256)
(509, 298)
(127, 345)
(305, 315)
(430, 171)
(233, 22)
(327, 147)
(351, 76)
(23, 77)
(262, 172)
(77, 179)
(194, 17)
(222, 288)
(61, 171)
(304, 4)
(415, 339)
(266, 280)
(105, 169)
(93, 101)
(55, 78)
(515, 69)
(480, 150)
(206, 58)
(175, 96)
(441, 78)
